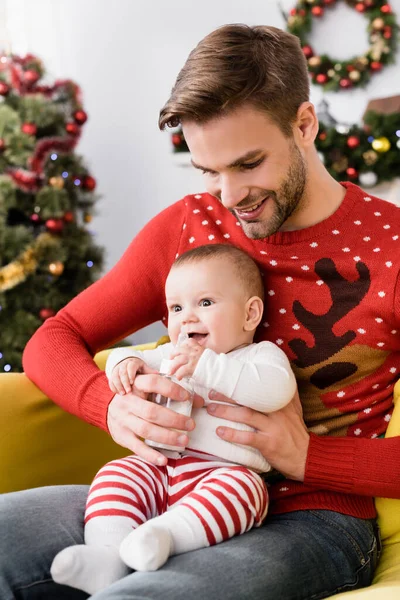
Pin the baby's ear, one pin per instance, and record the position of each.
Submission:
(254, 312)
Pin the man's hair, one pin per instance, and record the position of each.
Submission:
(246, 268)
(239, 65)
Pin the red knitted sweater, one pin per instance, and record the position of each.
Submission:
(331, 305)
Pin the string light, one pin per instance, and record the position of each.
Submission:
(54, 156)
(7, 368)
(89, 263)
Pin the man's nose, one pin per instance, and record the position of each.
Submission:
(232, 192)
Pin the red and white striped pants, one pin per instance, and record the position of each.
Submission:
(227, 499)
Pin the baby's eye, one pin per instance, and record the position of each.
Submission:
(176, 308)
(206, 302)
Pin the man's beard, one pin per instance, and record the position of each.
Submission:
(286, 200)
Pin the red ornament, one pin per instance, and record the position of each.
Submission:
(35, 218)
(329, 2)
(4, 88)
(72, 128)
(293, 12)
(376, 66)
(302, 12)
(367, 128)
(353, 141)
(387, 32)
(80, 117)
(69, 217)
(345, 83)
(31, 76)
(360, 7)
(321, 78)
(350, 68)
(55, 225)
(2, 145)
(322, 136)
(29, 128)
(386, 9)
(46, 313)
(88, 183)
(351, 173)
(317, 11)
(308, 51)
(176, 139)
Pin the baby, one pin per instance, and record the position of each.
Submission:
(138, 514)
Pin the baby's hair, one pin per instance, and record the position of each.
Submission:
(246, 268)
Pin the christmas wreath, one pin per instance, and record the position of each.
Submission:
(335, 74)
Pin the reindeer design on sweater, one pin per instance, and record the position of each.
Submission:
(331, 364)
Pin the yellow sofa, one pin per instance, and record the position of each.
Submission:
(40, 444)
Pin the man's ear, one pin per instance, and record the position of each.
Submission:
(254, 313)
(306, 126)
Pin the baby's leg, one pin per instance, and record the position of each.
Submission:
(228, 501)
(124, 494)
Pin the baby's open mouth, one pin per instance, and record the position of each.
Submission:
(199, 337)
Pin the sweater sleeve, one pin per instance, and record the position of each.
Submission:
(262, 379)
(59, 356)
(355, 466)
(152, 358)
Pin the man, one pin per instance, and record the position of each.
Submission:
(330, 256)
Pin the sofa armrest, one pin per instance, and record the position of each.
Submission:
(41, 444)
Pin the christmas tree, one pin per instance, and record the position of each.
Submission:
(47, 254)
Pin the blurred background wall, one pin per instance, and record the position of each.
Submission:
(125, 55)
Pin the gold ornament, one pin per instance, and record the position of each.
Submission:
(377, 49)
(314, 61)
(56, 268)
(381, 145)
(87, 218)
(338, 67)
(355, 75)
(370, 157)
(331, 73)
(57, 182)
(294, 20)
(340, 165)
(378, 23)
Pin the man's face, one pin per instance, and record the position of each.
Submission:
(251, 167)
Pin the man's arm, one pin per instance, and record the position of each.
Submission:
(58, 358)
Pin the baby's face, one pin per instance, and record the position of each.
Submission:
(208, 299)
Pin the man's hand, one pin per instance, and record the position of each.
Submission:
(132, 417)
(124, 373)
(186, 358)
(281, 436)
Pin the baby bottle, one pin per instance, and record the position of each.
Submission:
(182, 408)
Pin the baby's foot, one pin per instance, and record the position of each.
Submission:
(146, 548)
(88, 568)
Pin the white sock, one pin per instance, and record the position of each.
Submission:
(88, 568)
(146, 548)
(149, 546)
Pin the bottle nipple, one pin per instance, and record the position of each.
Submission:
(182, 337)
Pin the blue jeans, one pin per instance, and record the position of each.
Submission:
(301, 555)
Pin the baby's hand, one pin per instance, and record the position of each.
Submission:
(124, 373)
(185, 359)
